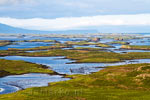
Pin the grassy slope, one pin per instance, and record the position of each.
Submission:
(128, 82)
(11, 67)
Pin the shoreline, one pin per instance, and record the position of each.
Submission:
(19, 88)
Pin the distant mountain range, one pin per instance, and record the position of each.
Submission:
(9, 29)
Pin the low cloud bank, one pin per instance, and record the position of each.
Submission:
(67, 23)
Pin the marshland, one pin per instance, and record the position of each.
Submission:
(78, 67)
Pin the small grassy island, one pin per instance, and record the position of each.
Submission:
(5, 42)
(84, 56)
(119, 42)
(88, 48)
(128, 82)
(38, 40)
(104, 45)
(85, 43)
(136, 47)
(54, 46)
(82, 43)
(81, 56)
(12, 67)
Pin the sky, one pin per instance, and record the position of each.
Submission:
(102, 15)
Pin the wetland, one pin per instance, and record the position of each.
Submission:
(75, 67)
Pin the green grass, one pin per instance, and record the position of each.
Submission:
(55, 46)
(38, 40)
(12, 67)
(9, 52)
(79, 43)
(113, 83)
(119, 42)
(136, 47)
(103, 45)
(90, 56)
(81, 56)
(5, 43)
(120, 37)
(82, 43)
(88, 48)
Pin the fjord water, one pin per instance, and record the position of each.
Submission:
(14, 83)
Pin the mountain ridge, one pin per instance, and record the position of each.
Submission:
(15, 30)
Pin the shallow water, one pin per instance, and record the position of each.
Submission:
(144, 41)
(67, 66)
(23, 45)
(59, 64)
(13, 83)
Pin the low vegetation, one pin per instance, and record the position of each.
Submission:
(136, 47)
(10, 53)
(79, 43)
(88, 48)
(120, 37)
(84, 43)
(104, 45)
(128, 82)
(5, 42)
(119, 42)
(12, 67)
(82, 56)
(85, 56)
(38, 40)
(55, 46)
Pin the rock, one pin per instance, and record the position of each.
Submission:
(120, 39)
(96, 39)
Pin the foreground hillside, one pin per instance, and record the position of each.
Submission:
(127, 82)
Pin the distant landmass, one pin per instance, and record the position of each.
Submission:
(9, 29)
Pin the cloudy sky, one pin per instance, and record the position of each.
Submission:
(103, 15)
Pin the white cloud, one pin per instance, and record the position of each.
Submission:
(78, 22)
